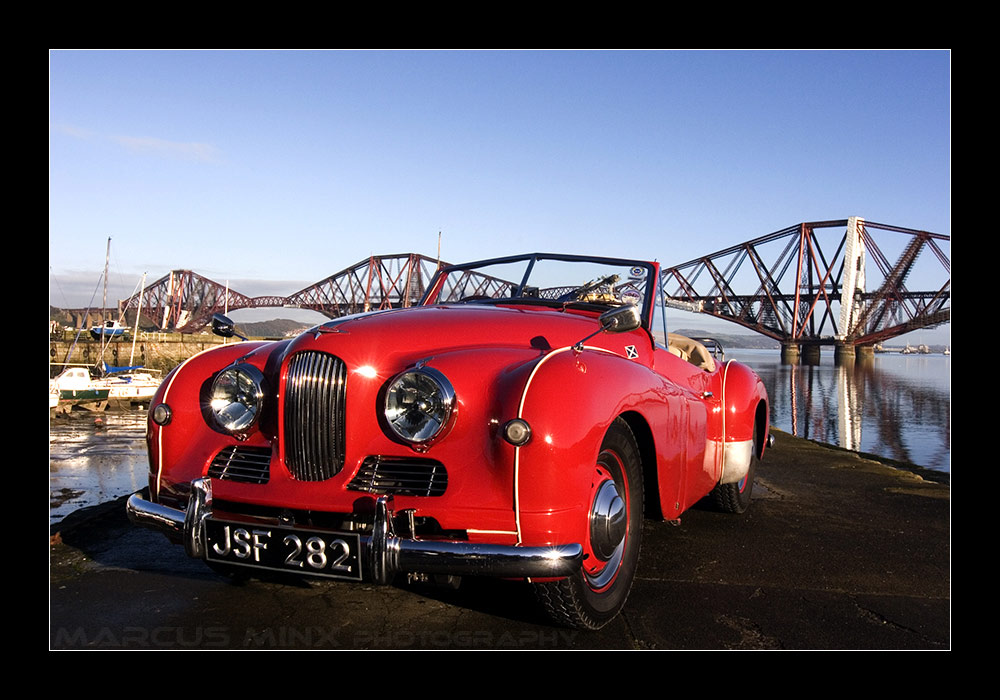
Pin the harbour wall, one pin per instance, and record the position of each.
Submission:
(160, 351)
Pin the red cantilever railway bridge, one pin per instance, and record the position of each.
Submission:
(185, 301)
(847, 283)
(844, 282)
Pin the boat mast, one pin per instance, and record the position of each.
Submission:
(104, 301)
(138, 308)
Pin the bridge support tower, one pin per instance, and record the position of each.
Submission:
(843, 353)
(864, 353)
(793, 353)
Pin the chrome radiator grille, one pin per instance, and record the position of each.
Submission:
(240, 463)
(315, 388)
(410, 476)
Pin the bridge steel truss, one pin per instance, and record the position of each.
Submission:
(185, 301)
(843, 282)
(381, 282)
(802, 286)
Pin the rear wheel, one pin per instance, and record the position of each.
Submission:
(735, 498)
(596, 594)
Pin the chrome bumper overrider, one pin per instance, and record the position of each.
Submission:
(384, 553)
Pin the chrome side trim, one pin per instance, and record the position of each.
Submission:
(384, 554)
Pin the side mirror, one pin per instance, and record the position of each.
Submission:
(621, 319)
(224, 326)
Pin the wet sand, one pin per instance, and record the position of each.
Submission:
(94, 458)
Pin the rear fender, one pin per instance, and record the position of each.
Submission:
(744, 424)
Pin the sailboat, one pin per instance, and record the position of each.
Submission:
(108, 329)
(129, 384)
(76, 386)
(120, 386)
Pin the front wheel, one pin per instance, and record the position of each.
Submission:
(596, 594)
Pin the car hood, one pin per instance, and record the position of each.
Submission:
(416, 333)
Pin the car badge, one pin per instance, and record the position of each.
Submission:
(630, 352)
(631, 296)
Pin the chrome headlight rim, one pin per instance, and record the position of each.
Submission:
(237, 398)
(419, 406)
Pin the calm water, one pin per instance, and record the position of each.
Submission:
(895, 406)
(898, 406)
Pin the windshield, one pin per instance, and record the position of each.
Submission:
(551, 280)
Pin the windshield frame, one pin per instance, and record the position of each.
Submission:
(653, 285)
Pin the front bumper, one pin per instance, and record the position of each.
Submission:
(384, 554)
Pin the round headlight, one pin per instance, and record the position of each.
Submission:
(418, 404)
(237, 397)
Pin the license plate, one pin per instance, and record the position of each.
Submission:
(308, 552)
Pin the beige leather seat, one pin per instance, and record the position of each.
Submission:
(690, 350)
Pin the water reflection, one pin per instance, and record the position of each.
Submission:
(894, 406)
(94, 458)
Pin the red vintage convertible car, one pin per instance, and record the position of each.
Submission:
(518, 423)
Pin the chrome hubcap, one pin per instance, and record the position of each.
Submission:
(608, 523)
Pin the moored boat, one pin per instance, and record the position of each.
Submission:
(109, 330)
(75, 387)
(120, 386)
(132, 384)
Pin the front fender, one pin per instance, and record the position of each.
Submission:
(180, 451)
(570, 400)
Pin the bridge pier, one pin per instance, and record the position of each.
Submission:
(793, 353)
(843, 354)
(809, 353)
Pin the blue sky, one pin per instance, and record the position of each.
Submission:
(274, 170)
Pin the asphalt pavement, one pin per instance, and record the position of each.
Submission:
(837, 551)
